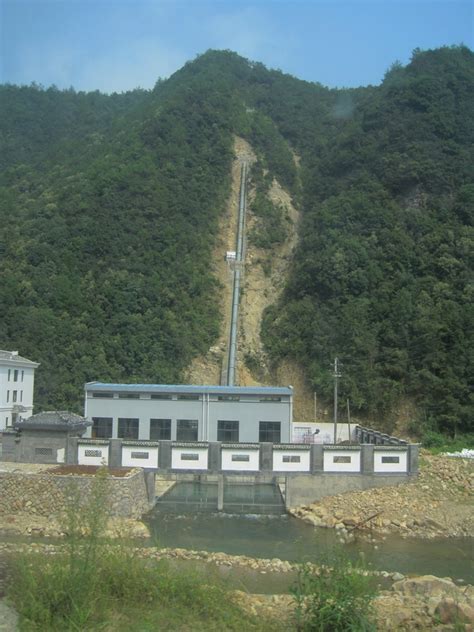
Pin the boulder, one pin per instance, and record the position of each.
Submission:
(428, 586)
(450, 610)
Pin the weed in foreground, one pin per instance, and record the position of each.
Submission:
(334, 598)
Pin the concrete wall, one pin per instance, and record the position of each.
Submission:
(241, 459)
(189, 458)
(34, 447)
(46, 494)
(264, 457)
(304, 490)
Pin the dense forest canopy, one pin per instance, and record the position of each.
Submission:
(109, 207)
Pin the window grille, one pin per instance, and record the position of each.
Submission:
(44, 452)
(140, 455)
(390, 459)
(95, 453)
(342, 459)
(291, 458)
(189, 457)
(160, 429)
(228, 431)
(269, 431)
(241, 457)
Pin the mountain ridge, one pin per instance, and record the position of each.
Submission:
(111, 206)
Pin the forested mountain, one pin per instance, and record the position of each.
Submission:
(109, 209)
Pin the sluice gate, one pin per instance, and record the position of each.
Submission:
(231, 498)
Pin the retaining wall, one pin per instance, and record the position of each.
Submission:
(48, 495)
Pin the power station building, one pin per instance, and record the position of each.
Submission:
(156, 412)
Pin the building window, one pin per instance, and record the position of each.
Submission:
(45, 452)
(15, 375)
(129, 395)
(101, 427)
(21, 396)
(228, 398)
(103, 395)
(291, 458)
(241, 457)
(270, 398)
(160, 396)
(15, 395)
(390, 459)
(9, 374)
(22, 375)
(341, 459)
(227, 430)
(187, 430)
(189, 397)
(160, 429)
(127, 428)
(269, 432)
(93, 453)
(190, 457)
(8, 396)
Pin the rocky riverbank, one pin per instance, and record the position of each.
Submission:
(439, 503)
(25, 524)
(418, 603)
(405, 603)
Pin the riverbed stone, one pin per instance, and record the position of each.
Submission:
(450, 610)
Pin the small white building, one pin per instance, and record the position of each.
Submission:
(17, 377)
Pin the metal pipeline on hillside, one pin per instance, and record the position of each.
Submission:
(237, 276)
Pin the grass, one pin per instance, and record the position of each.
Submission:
(438, 443)
(334, 598)
(120, 592)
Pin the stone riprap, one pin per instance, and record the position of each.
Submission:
(42, 494)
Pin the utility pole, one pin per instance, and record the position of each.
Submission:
(349, 419)
(315, 407)
(336, 375)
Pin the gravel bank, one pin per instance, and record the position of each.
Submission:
(439, 503)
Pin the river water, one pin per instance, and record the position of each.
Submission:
(287, 538)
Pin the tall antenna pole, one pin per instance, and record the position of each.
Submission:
(336, 376)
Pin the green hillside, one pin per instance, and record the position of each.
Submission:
(110, 205)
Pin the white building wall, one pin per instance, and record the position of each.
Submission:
(284, 461)
(390, 455)
(341, 460)
(90, 454)
(180, 463)
(16, 397)
(129, 456)
(252, 465)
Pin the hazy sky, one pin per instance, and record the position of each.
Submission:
(116, 45)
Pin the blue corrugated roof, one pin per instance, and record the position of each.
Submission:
(191, 388)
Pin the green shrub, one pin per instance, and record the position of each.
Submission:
(335, 598)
